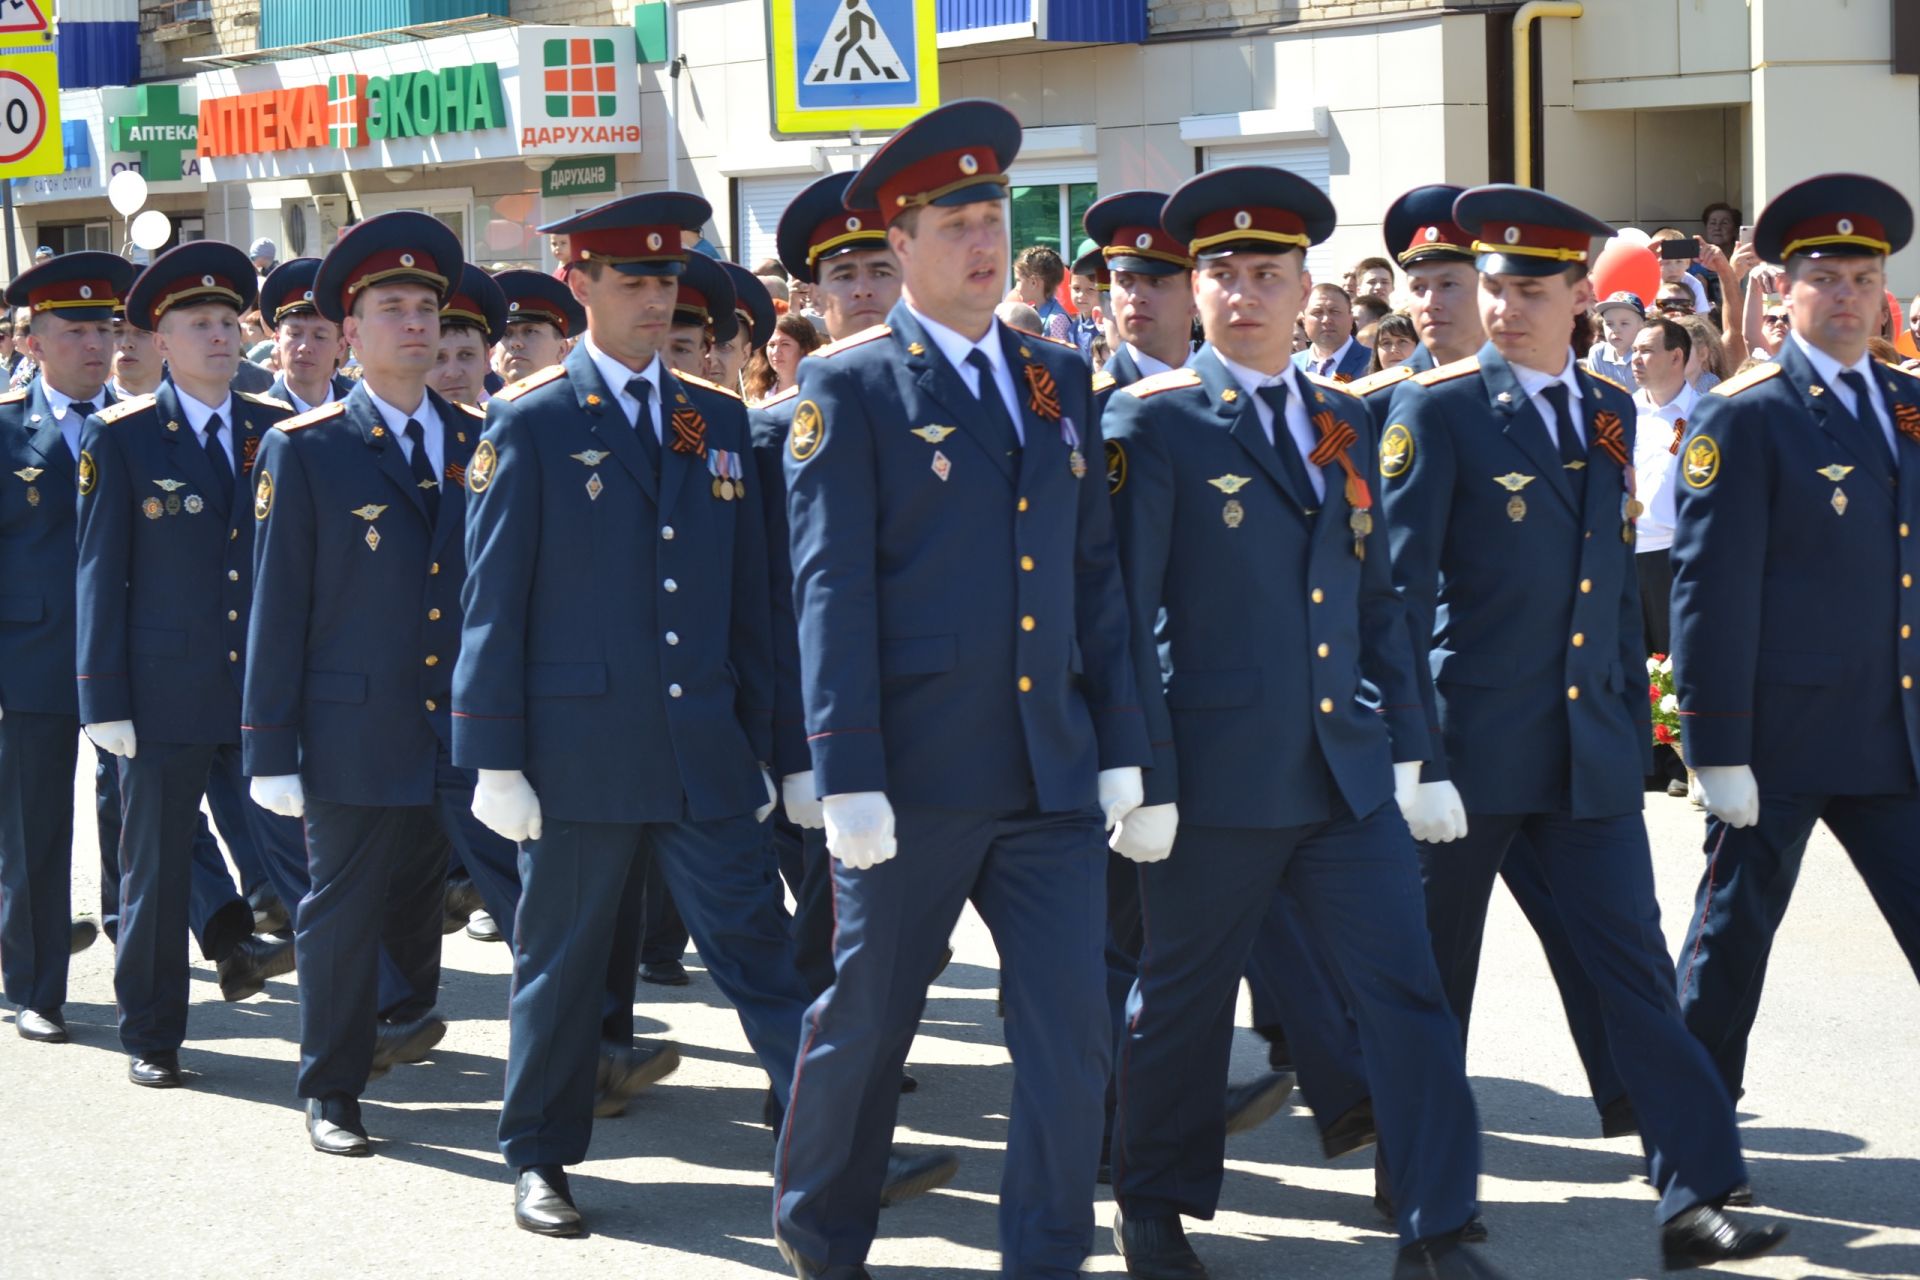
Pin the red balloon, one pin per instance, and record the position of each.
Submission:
(1626, 268)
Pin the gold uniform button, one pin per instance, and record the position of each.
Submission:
(1906, 579)
(233, 575)
(1573, 693)
(433, 615)
(1579, 638)
(1318, 596)
(1903, 528)
(1326, 706)
(432, 705)
(232, 534)
(1023, 507)
(1027, 623)
(233, 655)
(1906, 632)
(434, 567)
(1026, 563)
(1586, 585)
(433, 659)
(1906, 682)
(1323, 650)
(233, 615)
(1026, 684)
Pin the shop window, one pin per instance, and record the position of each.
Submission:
(72, 237)
(1049, 214)
(504, 230)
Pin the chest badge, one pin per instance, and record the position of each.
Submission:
(1077, 464)
(1233, 513)
(941, 466)
(933, 435)
(594, 486)
(1513, 482)
(1230, 484)
(152, 509)
(1835, 472)
(370, 513)
(30, 474)
(168, 486)
(590, 457)
(1839, 501)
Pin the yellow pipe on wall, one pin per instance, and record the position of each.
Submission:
(1523, 78)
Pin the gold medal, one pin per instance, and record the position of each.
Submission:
(716, 488)
(1233, 513)
(152, 509)
(1361, 522)
(1516, 508)
(726, 490)
(33, 495)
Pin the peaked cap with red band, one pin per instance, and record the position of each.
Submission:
(818, 225)
(752, 305)
(477, 300)
(1419, 227)
(1127, 228)
(1518, 231)
(402, 247)
(706, 297)
(636, 235)
(535, 296)
(89, 285)
(925, 163)
(288, 291)
(1835, 215)
(1247, 209)
(191, 274)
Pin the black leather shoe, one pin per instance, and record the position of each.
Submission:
(914, 1173)
(624, 1072)
(1252, 1104)
(543, 1203)
(481, 927)
(45, 1028)
(398, 1042)
(1156, 1249)
(667, 973)
(84, 932)
(908, 1084)
(334, 1128)
(245, 972)
(1618, 1118)
(1741, 1197)
(1703, 1236)
(460, 902)
(1442, 1258)
(155, 1070)
(807, 1269)
(1350, 1132)
(1474, 1232)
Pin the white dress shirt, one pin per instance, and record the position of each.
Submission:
(70, 423)
(617, 375)
(1299, 427)
(956, 347)
(1534, 382)
(301, 406)
(1653, 464)
(1325, 366)
(432, 433)
(1830, 370)
(198, 415)
(1147, 364)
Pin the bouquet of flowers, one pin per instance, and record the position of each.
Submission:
(1666, 704)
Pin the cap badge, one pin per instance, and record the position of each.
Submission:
(653, 240)
(307, 296)
(853, 224)
(1845, 226)
(1433, 233)
(1144, 240)
(86, 291)
(406, 259)
(1242, 220)
(513, 306)
(969, 165)
(1511, 235)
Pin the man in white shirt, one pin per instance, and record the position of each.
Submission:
(1665, 401)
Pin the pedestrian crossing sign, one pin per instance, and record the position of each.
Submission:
(842, 65)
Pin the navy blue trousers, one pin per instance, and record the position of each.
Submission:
(573, 882)
(378, 876)
(663, 934)
(37, 758)
(1038, 880)
(1600, 873)
(805, 865)
(1744, 892)
(1357, 885)
(1292, 986)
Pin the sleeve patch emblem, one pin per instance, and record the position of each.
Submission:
(1702, 462)
(809, 431)
(480, 470)
(1396, 451)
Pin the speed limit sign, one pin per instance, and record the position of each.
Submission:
(29, 116)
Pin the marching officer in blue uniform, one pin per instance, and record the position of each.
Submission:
(355, 629)
(1530, 597)
(1794, 606)
(310, 345)
(1282, 698)
(1149, 298)
(72, 300)
(1443, 287)
(542, 316)
(856, 282)
(165, 587)
(970, 709)
(615, 686)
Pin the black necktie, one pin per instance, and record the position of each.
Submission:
(1573, 455)
(217, 456)
(1285, 447)
(82, 407)
(1867, 420)
(422, 467)
(993, 407)
(642, 390)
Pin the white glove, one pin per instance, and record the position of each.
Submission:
(1406, 785)
(1121, 792)
(280, 793)
(1437, 816)
(115, 737)
(1731, 793)
(1146, 834)
(859, 828)
(765, 811)
(803, 807)
(504, 800)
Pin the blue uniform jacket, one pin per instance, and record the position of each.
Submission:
(1121, 370)
(618, 644)
(1794, 604)
(963, 636)
(342, 387)
(770, 423)
(1534, 611)
(166, 569)
(356, 619)
(37, 557)
(1273, 661)
(1353, 364)
(1376, 391)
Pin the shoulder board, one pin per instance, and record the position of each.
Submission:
(472, 410)
(1331, 384)
(1741, 381)
(702, 382)
(254, 397)
(1601, 377)
(1374, 381)
(856, 340)
(1058, 342)
(1102, 380)
(121, 408)
(538, 378)
(1448, 372)
(331, 409)
(1168, 381)
(1904, 366)
(14, 396)
(784, 396)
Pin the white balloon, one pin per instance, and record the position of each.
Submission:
(151, 229)
(127, 191)
(1633, 235)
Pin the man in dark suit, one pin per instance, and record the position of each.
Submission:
(969, 702)
(353, 638)
(1510, 470)
(1794, 606)
(165, 586)
(72, 300)
(1335, 350)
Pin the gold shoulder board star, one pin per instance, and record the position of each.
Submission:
(30, 474)
(1513, 481)
(369, 512)
(933, 435)
(1816, 389)
(1229, 395)
(1230, 484)
(1835, 472)
(591, 457)
(168, 486)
